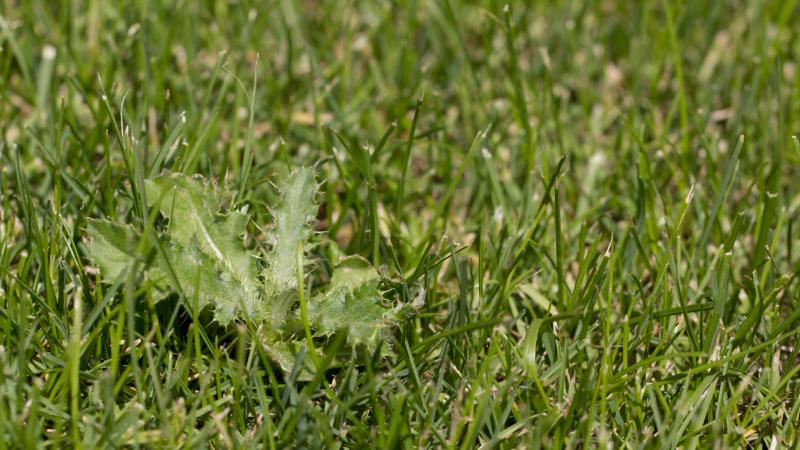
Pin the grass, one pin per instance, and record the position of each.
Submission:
(592, 207)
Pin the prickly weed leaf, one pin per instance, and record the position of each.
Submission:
(206, 248)
(293, 217)
(187, 203)
(111, 247)
(199, 277)
(201, 253)
(353, 272)
(286, 354)
(191, 207)
(352, 303)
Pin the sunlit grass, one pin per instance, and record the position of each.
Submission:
(584, 214)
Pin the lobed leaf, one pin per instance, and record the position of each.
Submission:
(352, 303)
(202, 254)
(292, 227)
(111, 247)
(206, 249)
(291, 355)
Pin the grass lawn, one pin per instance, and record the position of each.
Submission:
(444, 224)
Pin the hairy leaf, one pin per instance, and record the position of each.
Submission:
(287, 352)
(191, 207)
(199, 278)
(112, 247)
(292, 227)
(206, 249)
(200, 252)
(352, 303)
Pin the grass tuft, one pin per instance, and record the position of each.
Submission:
(563, 224)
